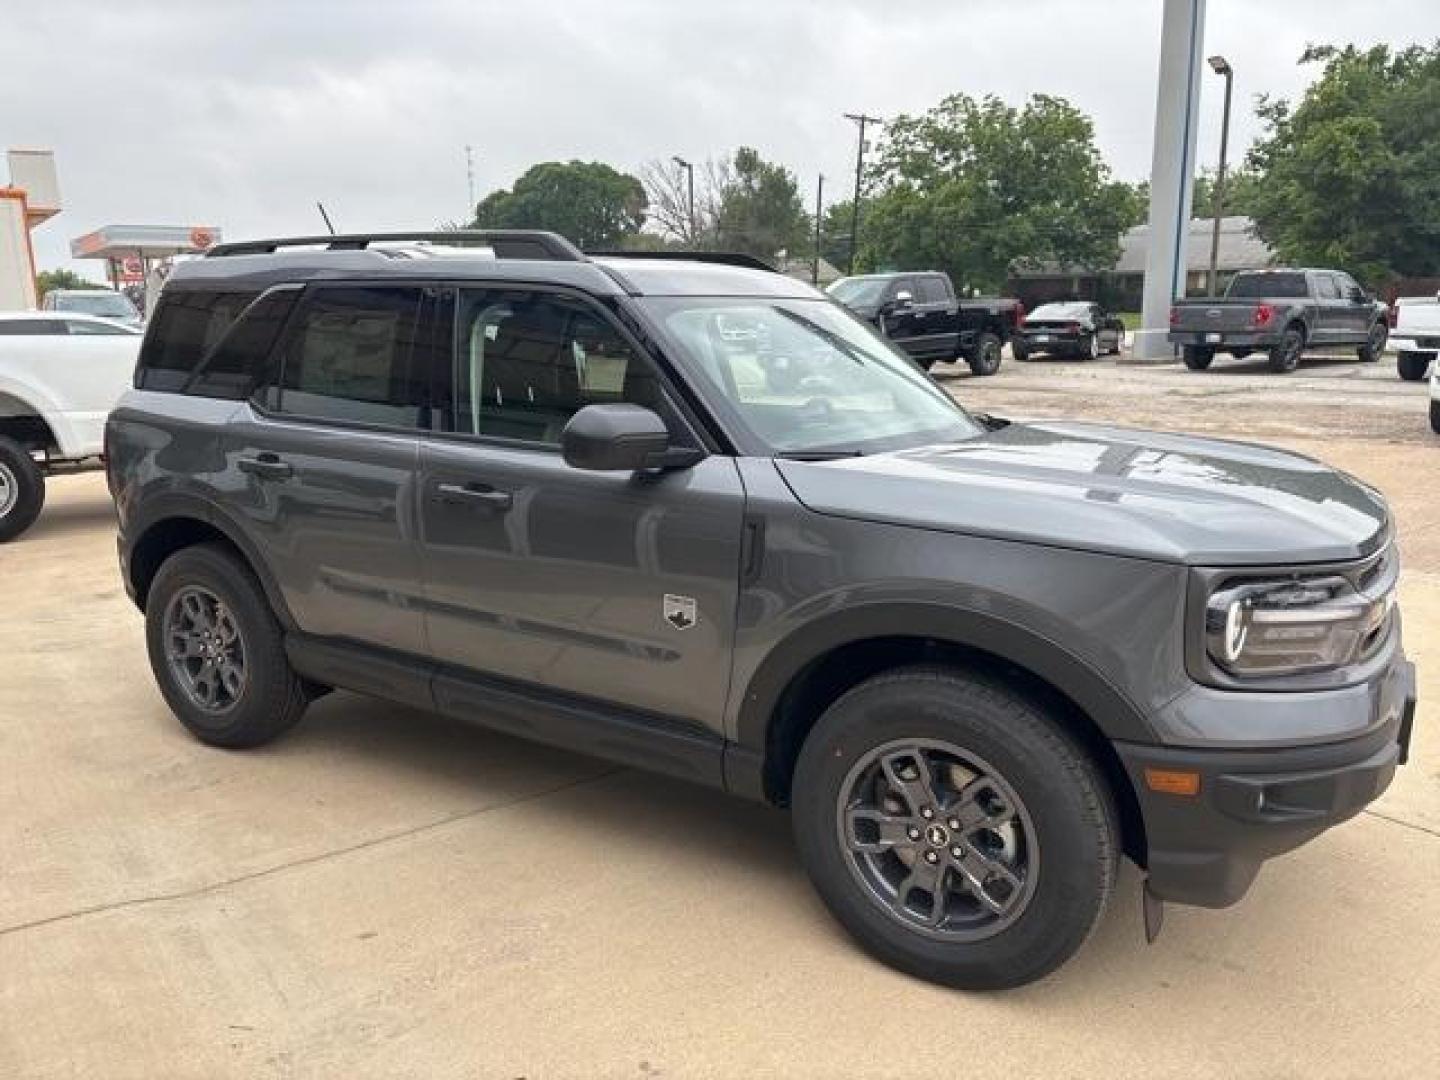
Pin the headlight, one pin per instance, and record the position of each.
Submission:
(1293, 626)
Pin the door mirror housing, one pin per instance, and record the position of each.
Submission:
(619, 437)
(1357, 294)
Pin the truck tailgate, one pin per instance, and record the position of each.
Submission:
(1213, 316)
(1418, 319)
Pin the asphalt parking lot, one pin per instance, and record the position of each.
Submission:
(385, 893)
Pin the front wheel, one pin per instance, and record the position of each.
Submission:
(1413, 365)
(954, 829)
(1435, 417)
(22, 489)
(1374, 346)
(217, 651)
(1090, 348)
(985, 360)
(1285, 354)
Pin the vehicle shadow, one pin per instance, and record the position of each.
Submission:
(1256, 364)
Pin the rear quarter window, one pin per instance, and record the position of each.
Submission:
(187, 325)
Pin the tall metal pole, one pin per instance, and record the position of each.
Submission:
(862, 120)
(819, 198)
(1222, 67)
(470, 181)
(690, 179)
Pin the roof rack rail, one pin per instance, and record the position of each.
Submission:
(724, 258)
(506, 243)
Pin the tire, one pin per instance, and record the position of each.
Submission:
(1119, 346)
(1197, 358)
(925, 362)
(1435, 417)
(1019, 349)
(1090, 349)
(1059, 810)
(1374, 346)
(1239, 354)
(269, 698)
(1285, 354)
(985, 360)
(1413, 365)
(22, 489)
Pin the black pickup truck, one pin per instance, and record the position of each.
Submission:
(1282, 313)
(920, 313)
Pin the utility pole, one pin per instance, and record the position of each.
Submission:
(690, 180)
(1220, 66)
(862, 120)
(470, 181)
(819, 198)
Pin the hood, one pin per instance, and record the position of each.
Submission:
(1138, 493)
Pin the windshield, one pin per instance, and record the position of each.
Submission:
(1060, 311)
(805, 377)
(858, 291)
(1259, 286)
(110, 305)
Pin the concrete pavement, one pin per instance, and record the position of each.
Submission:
(385, 893)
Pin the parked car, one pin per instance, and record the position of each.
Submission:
(106, 303)
(1071, 328)
(919, 312)
(977, 660)
(1281, 313)
(1416, 337)
(60, 374)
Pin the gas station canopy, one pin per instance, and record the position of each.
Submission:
(144, 241)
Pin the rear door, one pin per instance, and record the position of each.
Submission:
(322, 464)
(617, 587)
(1356, 315)
(1331, 309)
(937, 327)
(897, 320)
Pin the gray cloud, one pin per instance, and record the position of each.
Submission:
(242, 114)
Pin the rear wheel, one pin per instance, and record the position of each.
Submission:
(1435, 417)
(1413, 365)
(953, 829)
(218, 652)
(1019, 349)
(1285, 354)
(1090, 347)
(986, 358)
(22, 489)
(1197, 358)
(1374, 346)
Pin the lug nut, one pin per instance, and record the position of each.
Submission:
(913, 833)
(927, 813)
(931, 857)
(957, 852)
(955, 824)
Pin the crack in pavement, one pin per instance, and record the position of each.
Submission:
(1426, 829)
(306, 860)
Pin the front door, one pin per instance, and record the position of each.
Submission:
(325, 463)
(612, 586)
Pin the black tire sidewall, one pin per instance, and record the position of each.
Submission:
(273, 697)
(30, 489)
(1066, 800)
(1197, 359)
(1412, 365)
(987, 344)
(1435, 417)
(1281, 360)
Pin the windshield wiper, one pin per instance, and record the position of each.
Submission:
(818, 455)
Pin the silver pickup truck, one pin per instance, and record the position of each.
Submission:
(1281, 313)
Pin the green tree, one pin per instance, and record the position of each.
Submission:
(587, 202)
(1350, 177)
(47, 280)
(975, 187)
(1240, 187)
(759, 210)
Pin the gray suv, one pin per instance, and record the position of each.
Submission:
(688, 514)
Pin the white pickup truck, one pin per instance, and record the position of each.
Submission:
(60, 375)
(1416, 337)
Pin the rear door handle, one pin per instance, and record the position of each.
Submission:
(266, 466)
(482, 494)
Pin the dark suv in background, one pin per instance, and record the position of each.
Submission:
(565, 497)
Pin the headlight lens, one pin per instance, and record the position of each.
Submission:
(1294, 626)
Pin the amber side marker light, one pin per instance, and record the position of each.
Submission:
(1172, 782)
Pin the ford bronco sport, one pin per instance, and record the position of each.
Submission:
(978, 661)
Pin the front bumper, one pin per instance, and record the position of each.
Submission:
(1252, 805)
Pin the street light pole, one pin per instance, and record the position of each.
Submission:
(1220, 66)
(690, 178)
(815, 263)
(862, 120)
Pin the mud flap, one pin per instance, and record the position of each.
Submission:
(1154, 909)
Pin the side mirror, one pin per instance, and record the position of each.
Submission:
(616, 437)
(1357, 294)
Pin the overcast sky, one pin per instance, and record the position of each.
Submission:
(242, 114)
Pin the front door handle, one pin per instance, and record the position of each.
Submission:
(266, 466)
(482, 494)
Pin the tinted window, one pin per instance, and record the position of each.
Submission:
(1259, 286)
(929, 290)
(25, 327)
(186, 325)
(84, 326)
(237, 363)
(1326, 288)
(526, 362)
(351, 354)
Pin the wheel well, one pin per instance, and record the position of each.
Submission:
(821, 682)
(1299, 324)
(21, 423)
(164, 539)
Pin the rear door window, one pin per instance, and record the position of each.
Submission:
(930, 291)
(1326, 287)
